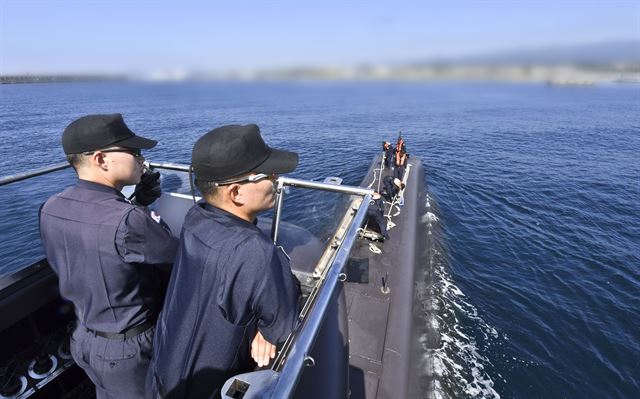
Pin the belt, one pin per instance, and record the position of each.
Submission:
(133, 331)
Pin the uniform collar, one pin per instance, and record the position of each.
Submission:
(227, 215)
(90, 185)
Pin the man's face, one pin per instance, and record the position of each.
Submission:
(125, 166)
(260, 195)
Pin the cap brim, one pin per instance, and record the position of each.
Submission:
(137, 142)
(279, 162)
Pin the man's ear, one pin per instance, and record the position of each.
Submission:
(234, 194)
(97, 159)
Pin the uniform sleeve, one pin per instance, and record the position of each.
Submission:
(140, 239)
(260, 286)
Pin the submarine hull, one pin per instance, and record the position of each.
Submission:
(380, 293)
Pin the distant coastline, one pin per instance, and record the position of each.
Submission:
(28, 79)
(548, 74)
(616, 61)
(557, 75)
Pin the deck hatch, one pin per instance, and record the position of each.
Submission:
(357, 270)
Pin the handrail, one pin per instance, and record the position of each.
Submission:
(292, 370)
(282, 182)
(36, 172)
(178, 167)
(64, 165)
(288, 181)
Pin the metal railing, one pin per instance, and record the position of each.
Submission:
(33, 173)
(287, 181)
(64, 165)
(298, 354)
(178, 167)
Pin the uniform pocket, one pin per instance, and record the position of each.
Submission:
(107, 358)
(120, 367)
(116, 355)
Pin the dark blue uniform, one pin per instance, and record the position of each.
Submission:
(375, 213)
(390, 189)
(389, 157)
(228, 280)
(102, 248)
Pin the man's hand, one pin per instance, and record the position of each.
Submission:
(148, 190)
(262, 350)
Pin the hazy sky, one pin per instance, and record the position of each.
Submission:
(142, 36)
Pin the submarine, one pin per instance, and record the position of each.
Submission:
(358, 330)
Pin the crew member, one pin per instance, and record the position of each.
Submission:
(392, 187)
(388, 154)
(400, 164)
(375, 214)
(106, 252)
(232, 296)
(400, 146)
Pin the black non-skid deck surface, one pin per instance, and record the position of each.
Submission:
(369, 308)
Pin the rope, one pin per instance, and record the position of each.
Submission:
(381, 169)
(374, 249)
(378, 177)
(398, 200)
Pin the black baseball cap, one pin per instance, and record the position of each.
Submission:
(93, 132)
(235, 150)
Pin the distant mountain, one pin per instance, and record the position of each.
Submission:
(603, 53)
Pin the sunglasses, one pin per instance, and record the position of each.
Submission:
(136, 152)
(249, 179)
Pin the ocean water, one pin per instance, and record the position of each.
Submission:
(535, 195)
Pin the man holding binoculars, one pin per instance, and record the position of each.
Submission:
(106, 251)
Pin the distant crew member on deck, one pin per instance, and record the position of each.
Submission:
(106, 252)
(375, 214)
(400, 164)
(400, 145)
(392, 186)
(232, 296)
(388, 154)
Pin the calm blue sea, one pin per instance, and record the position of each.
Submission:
(536, 190)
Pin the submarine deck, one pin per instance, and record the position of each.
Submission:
(379, 294)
